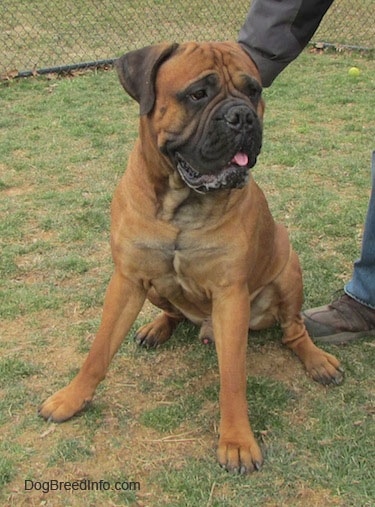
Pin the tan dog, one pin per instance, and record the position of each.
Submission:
(192, 231)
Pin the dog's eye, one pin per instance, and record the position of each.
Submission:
(254, 93)
(251, 88)
(198, 95)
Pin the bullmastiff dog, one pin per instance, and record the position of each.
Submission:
(192, 232)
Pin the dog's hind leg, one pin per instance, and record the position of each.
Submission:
(158, 331)
(320, 365)
(161, 328)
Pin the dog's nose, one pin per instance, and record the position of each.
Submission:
(239, 118)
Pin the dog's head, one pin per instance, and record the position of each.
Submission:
(203, 102)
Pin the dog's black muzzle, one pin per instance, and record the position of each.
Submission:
(221, 153)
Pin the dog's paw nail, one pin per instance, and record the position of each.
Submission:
(338, 380)
(257, 465)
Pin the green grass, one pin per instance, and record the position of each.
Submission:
(13, 369)
(69, 450)
(63, 146)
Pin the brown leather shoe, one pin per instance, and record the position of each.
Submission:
(341, 321)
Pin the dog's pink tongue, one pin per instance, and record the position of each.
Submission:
(240, 159)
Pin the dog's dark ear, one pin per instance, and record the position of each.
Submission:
(137, 72)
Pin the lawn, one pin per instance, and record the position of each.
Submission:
(149, 437)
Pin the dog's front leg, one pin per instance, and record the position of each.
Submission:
(122, 304)
(238, 450)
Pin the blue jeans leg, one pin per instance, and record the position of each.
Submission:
(362, 285)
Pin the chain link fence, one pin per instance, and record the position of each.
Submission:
(50, 34)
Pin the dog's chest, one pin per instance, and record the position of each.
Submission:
(186, 277)
(192, 258)
(182, 272)
(179, 265)
(185, 266)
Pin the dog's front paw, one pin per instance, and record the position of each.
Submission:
(241, 456)
(63, 405)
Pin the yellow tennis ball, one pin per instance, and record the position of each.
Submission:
(354, 71)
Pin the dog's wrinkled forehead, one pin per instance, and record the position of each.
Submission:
(172, 66)
(224, 62)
